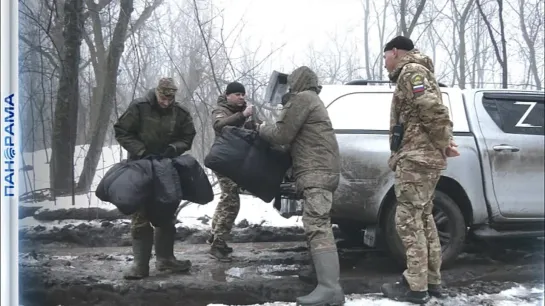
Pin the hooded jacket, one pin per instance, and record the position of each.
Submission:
(147, 128)
(418, 104)
(305, 126)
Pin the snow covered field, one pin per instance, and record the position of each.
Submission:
(518, 296)
(252, 209)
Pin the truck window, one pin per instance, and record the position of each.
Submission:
(361, 111)
(517, 117)
(364, 111)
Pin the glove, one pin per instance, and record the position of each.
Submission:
(170, 152)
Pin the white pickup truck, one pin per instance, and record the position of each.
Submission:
(495, 189)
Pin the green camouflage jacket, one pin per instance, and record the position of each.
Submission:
(145, 128)
(304, 126)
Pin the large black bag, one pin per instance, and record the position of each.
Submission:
(250, 161)
(167, 192)
(195, 185)
(127, 185)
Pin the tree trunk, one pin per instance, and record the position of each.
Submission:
(66, 110)
(504, 67)
(530, 43)
(462, 62)
(462, 44)
(108, 95)
(501, 55)
(366, 40)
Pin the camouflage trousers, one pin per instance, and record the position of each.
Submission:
(414, 189)
(317, 221)
(227, 209)
(140, 224)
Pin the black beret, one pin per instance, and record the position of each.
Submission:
(401, 43)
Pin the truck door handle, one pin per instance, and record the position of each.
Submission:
(504, 147)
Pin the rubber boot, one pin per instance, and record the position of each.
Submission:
(142, 243)
(308, 273)
(164, 251)
(328, 291)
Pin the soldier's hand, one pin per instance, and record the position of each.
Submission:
(451, 150)
(248, 111)
(170, 152)
(259, 126)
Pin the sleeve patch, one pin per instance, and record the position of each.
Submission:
(417, 82)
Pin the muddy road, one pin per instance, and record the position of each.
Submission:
(82, 264)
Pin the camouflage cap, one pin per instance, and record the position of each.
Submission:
(167, 87)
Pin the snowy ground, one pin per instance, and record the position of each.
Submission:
(517, 296)
(252, 209)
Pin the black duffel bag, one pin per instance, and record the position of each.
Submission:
(166, 190)
(127, 185)
(250, 161)
(196, 187)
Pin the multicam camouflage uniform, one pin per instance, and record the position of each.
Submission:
(145, 128)
(226, 114)
(417, 164)
(304, 126)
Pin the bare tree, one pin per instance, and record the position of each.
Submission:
(412, 8)
(366, 12)
(461, 26)
(500, 49)
(112, 60)
(531, 26)
(97, 43)
(66, 111)
(381, 23)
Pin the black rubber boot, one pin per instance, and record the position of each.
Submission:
(401, 291)
(142, 244)
(328, 292)
(164, 251)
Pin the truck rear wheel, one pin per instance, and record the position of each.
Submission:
(450, 227)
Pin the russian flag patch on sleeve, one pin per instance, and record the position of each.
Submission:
(418, 88)
(417, 82)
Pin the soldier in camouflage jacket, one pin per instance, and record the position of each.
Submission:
(155, 125)
(231, 110)
(305, 128)
(417, 107)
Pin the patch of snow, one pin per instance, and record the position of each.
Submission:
(516, 296)
(252, 209)
(30, 222)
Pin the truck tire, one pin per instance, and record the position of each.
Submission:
(454, 226)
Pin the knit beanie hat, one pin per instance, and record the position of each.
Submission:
(235, 87)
